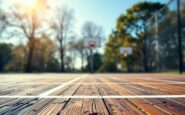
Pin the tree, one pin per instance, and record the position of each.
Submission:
(134, 24)
(111, 55)
(28, 22)
(45, 55)
(90, 29)
(97, 59)
(5, 55)
(63, 27)
(79, 47)
(134, 20)
(130, 27)
(44, 58)
(17, 62)
(3, 20)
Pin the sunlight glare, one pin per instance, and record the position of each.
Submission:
(30, 3)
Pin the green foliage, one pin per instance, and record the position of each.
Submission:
(129, 33)
(97, 59)
(44, 56)
(44, 59)
(5, 55)
(133, 21)
(16, 64)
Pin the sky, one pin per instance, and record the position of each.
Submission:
(102, 12)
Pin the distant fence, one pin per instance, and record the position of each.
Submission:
(164, 31)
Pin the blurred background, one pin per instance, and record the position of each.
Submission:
(48, 36)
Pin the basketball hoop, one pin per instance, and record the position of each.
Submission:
(92, 44)
(125, 51)
(125, 54)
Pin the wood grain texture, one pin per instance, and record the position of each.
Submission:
(93, 85)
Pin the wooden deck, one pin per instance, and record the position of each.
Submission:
(97, 94)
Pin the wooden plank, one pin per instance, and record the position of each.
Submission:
(94, 106)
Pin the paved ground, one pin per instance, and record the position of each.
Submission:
(79, 94)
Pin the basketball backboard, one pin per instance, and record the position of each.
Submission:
(126, 51)
(92, 42)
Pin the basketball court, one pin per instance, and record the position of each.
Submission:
(92, 94)
(48, 39)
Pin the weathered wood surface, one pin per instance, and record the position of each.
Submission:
(93, 85)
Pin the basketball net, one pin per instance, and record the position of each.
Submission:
(92, 44)
(125, 53)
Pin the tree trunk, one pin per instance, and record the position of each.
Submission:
(82, 59)
(62, 60)
(28, 68)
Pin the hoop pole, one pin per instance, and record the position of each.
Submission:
(180, 37)
(92, 61)
(145, 48)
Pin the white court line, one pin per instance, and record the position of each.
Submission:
(60, 86)
(97, 97)
(30, 83)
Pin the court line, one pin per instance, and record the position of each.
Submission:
(96, 97)
(180, 83)
(61, 86)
